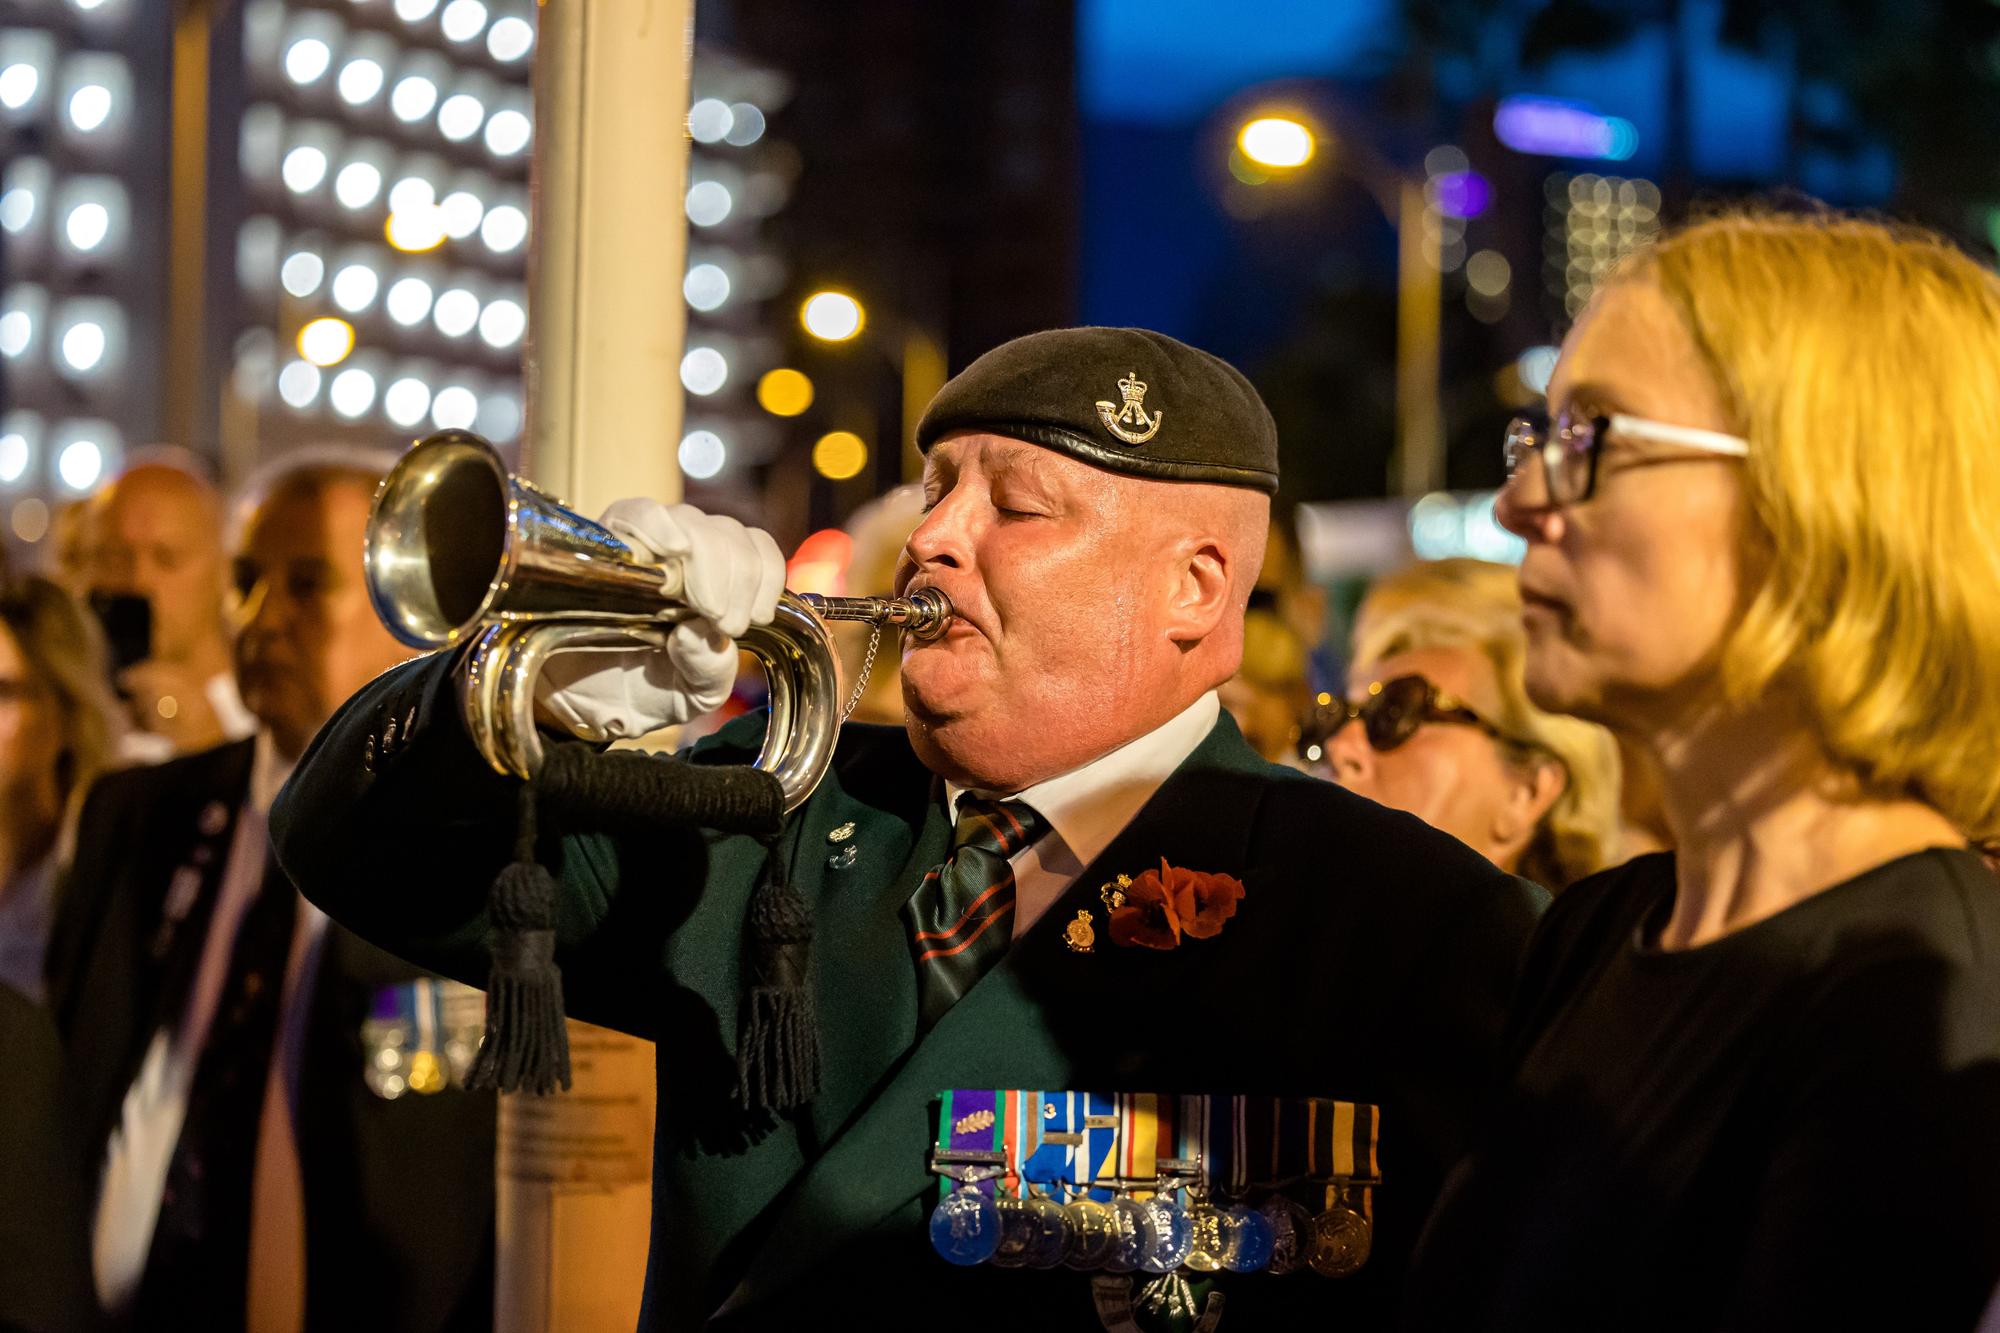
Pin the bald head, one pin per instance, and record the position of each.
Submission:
(157, 534)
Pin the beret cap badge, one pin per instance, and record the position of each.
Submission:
(1133, 410)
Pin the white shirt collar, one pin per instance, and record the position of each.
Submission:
(1086, 807)
(268, 772)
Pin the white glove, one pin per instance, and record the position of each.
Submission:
(731, 577)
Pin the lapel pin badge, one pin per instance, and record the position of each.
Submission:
(1113, 892)
(1079, 935)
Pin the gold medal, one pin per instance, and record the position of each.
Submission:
(1079, 935)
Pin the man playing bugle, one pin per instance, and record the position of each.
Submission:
(1067, 871)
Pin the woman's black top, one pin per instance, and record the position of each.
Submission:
(1795, 1126)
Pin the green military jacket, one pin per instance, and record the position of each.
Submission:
(1370, 960)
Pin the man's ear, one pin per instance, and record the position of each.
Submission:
(1200, 595)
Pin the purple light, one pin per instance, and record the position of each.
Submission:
(1549, 128)
(1462, 194)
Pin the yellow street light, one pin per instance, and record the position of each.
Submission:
(784, 392)
(832, 316)
(326, 341)
(839, 455)
(1276, 141)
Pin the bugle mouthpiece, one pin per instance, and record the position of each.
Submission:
(924, 614)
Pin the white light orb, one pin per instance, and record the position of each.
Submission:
(17, 330)
(508, 133)
(302, 273)
(304, 169)
(702, 454)
(460, 117)
(748, 127)
(18, 84)
(704, 371)
(415, 11)
(709, 120)
(83, 346)
(708, 202)
(17, 209)
(13, 456)
(502, 323)
(454, 408)
(499, 416)
(462, 20)
(80, 464)
(354, 288)
(834, 316)
(457, 310)
(90, 107)
(352, 392)
(406, 401)
(411, 194)
(412, 98)
(298, 384)
(357, 184)
(504, 229)
(360, 81)
(462, 211)
(510, 39)
(307, 60)
(87, 225)
(706, 287)
(408, 301)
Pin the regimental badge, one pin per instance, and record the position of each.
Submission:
(1114, 893)
(1128, 420)
(1078, 934)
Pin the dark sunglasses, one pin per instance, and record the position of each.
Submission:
(1393, 711)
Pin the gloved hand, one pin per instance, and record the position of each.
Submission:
(731, 578)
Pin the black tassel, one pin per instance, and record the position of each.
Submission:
(527, 1043)
(777, 1045)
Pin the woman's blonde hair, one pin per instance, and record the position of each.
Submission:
(1475, 605)
(1862, 361)
(65, 653)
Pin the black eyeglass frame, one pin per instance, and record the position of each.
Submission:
(1433, 705)
(1555, 448)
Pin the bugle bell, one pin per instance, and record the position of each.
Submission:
(459, 552)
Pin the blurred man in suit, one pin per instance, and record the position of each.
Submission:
(268, 1102)
(156, 532)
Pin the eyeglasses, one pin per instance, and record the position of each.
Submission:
(1568, 451)
(1393, 711)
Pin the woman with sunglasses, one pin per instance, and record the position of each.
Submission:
(1754, 1083)
(1438, 722)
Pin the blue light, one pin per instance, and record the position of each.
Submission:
(1550, 128)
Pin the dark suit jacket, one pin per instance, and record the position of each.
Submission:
(398, 1194)
(44, 1235)
(1370, 960)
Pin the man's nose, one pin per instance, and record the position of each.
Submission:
(940, 540)
(1522, 507)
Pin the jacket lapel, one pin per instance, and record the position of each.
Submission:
(1018, 1026)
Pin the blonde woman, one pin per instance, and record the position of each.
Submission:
(1755, 1082)
(58, 725)
(1438, 722)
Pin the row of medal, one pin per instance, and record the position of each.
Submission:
(1152, 1183)
(1156, 1235)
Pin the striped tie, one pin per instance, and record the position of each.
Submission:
(962, 915)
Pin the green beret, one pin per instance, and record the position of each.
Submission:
(1130, 400)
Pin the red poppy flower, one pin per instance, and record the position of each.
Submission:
(1202, 899)
(1149, 916)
